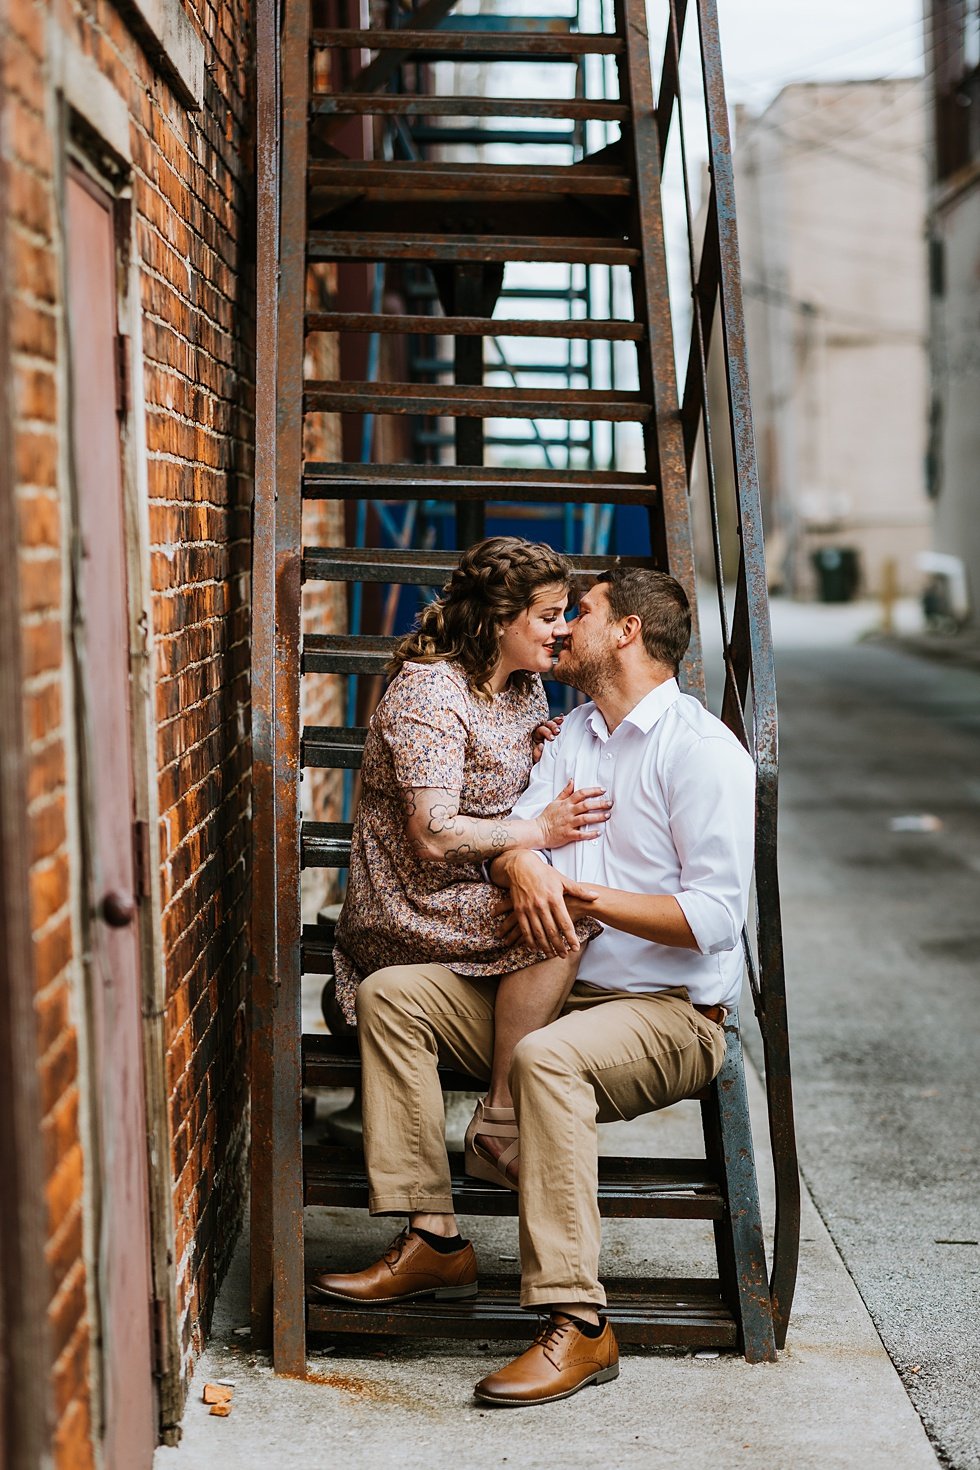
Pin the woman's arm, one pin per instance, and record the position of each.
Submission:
(440, 833)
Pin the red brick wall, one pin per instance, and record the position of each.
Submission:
(194, 241)
(190, 187)
(32, 285)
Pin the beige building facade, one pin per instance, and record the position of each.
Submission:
(831, 182)
(953, 41)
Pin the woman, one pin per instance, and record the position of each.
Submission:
(448, 752)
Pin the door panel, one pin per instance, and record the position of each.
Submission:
(124, 1240)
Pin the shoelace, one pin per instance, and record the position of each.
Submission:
(550, 1334)
(393, 1252)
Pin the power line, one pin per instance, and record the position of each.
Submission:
(821, 145)
(881, 118)
(776, 296)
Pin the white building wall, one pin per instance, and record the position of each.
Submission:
(956, 382)
(831, 184)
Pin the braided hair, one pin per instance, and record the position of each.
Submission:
(495, 581)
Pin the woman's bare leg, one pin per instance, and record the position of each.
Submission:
(526, 1000)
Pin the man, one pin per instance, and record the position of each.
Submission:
(668, 878)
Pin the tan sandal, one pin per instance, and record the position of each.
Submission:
(497, 1123)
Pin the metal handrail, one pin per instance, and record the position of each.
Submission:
(747, 639)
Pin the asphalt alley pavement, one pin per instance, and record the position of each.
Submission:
(880, 867)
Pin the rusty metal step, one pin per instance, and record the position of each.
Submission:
(437, 366)
(684, 1313)
(382, 179)
(473, 45)
(325, 844)
(375, 245)
(334, 1061)
(332, 747)
(416, 568)
(465, 482)
(632, 1189)
(316, 956)
(476, 136)
(457, 401)
(342, 653)
(581, 329)
(401, 104)
(435, 439)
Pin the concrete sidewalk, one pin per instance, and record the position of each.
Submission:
(832, 1400)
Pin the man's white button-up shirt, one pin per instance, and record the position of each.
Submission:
(683, 793)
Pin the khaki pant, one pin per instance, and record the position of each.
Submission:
(610, 1055)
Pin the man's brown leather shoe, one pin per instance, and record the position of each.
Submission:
(409, 1268)
(559, 1362)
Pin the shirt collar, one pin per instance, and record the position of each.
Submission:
(643, 715)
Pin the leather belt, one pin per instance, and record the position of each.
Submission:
(718, 1014)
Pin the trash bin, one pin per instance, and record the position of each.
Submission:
(838, 572)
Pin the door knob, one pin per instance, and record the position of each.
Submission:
(118, 908)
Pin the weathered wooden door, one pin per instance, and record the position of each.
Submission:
(119, 1104)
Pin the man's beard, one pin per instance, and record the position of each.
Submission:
(586, 671)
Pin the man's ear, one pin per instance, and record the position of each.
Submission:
(632, 630)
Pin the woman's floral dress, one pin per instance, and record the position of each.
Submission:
(430, 730)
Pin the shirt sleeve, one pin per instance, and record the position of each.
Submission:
(712, 821)
(424, 721)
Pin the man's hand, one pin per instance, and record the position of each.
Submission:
(535, 906)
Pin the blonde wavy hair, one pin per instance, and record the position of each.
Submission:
(495, 581)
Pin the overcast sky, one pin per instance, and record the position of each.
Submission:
(767, 43)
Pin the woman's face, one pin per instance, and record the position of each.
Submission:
(528, 642)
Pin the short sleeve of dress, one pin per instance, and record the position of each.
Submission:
(540, 707)
(424, 721)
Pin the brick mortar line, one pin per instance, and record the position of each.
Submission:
(40, 803)
(155, 230)
(161, 366)
(175, 416)
(177, 759)
(49, 925)
(240, 214)
(37, 684)
(200, 662)
(20, 227)
(179, 980)
(152, 274)
(171, 719)
(167, 456)
(172, 853)
(33, 170)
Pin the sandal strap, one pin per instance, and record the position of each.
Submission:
(508, 1156)
(496, 1130)
(497, 1115)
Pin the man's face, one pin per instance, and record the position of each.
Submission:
(589, 648)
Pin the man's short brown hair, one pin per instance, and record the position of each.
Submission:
(660, 603)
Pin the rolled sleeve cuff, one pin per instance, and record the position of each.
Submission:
(710, 921)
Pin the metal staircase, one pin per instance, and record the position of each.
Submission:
(461, 226)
